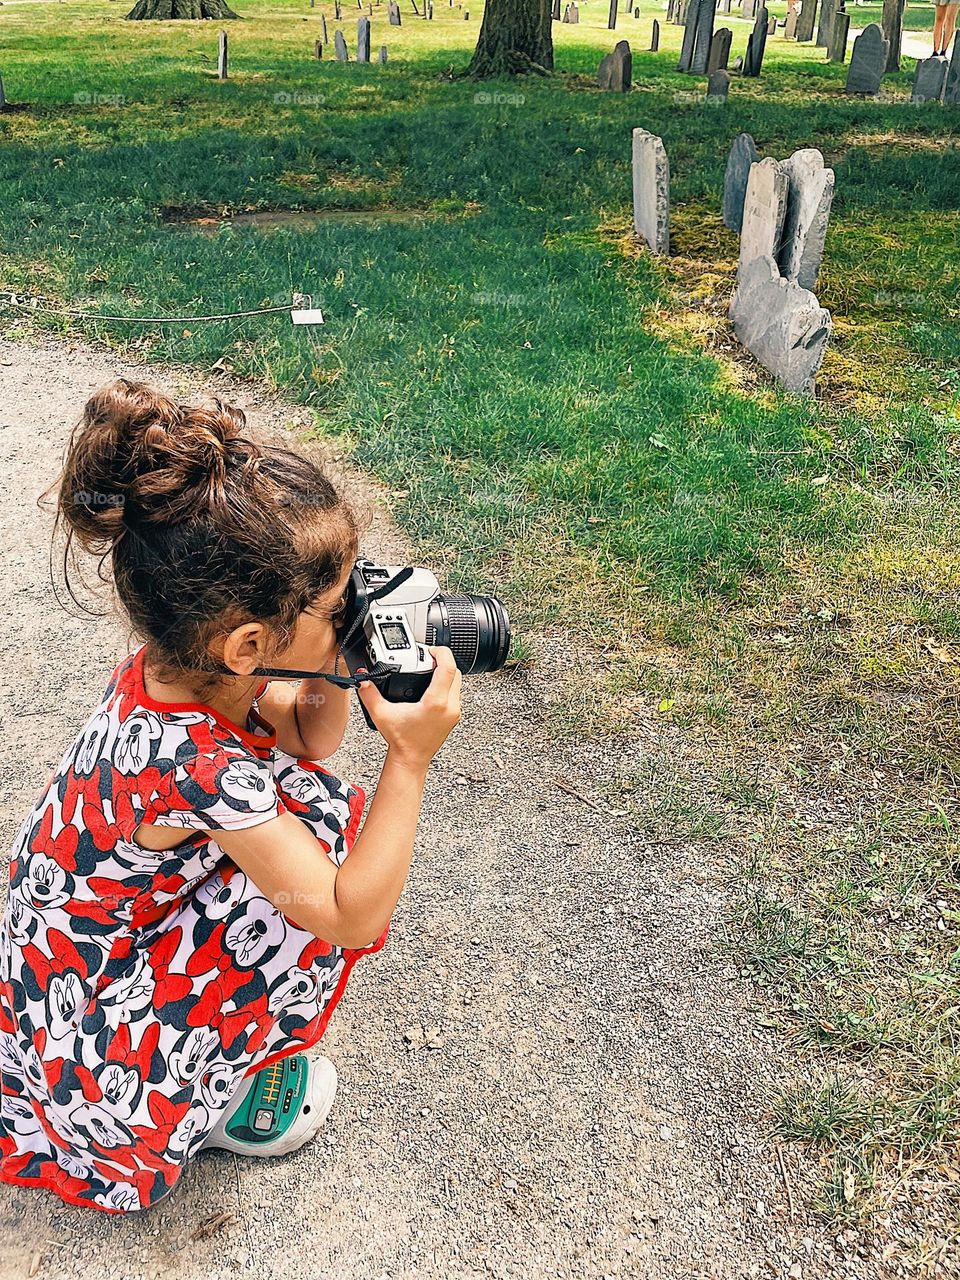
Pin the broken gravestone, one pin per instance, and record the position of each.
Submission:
(743, 155)
(809, 198)
(616, 69)
(651, 191)
(868, 61)
(929, 80)
(393, 11)
(764, 209)
(782, 324)
(340, 46)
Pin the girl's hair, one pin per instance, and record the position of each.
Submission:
(204, 529)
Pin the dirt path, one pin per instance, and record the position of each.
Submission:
(597, 1106)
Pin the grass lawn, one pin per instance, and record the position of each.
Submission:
(567, 421)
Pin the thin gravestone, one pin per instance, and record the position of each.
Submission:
(781, 324)
(704, 35)
(651, 191)
(806, 20)
(636, 14)
(363, 40)
(790, 29)
(719, 49)
(340, 46)
(828, 9)
(556, 10)
(929, 80)
(616, 69)
(810, 188)
(382, 55)
(655, 36)
(223, 56)
(951, 92)
(771, 26)
(764, 209)
(337, 13)
(726, 6)
(323, 20)
(718, 85)
(743, 155)
(318, 48)
(689, 38)
(837, 49)
(868, 61)
(393, 13)
(891, 20)
(612, 16)
(748, 9)
(756, 44)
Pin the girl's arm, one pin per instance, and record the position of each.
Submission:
(350, 906)
(310, 720)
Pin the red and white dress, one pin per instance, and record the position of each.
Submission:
(137, 988)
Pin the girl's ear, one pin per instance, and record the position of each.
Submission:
(245, 648)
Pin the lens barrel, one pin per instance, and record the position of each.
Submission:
(475, 628)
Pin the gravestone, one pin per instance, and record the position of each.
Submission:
(655, 37)
(806, 20)
(748, 9)
(837, 48)
(323, 20)
(764, 208)
(828, 9)
(718, 85)
(892, 25)
(726, 6)
(393, 12)
(382, 55)
(781, 324)
(868, 61)
(697, 34)
(929, 80)
(363, 40)
(738, 65)
(651, 191)
(612, 16)
(340, 46)
(743, 155)
(222, 56)
(616, 69)
(636, 14)
(951, 93)
(337, 13)
(575, 14)
(719, 49)
(318, 48)
(756, 44)
(790, 29)
(556, 10)
(809, 197)
(771, 26)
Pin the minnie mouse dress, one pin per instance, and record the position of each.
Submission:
(138, 988)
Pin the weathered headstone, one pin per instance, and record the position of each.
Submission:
(651, 191)
(951, 92)
(809, 197)
(718, 85)
(726, 6)
(719, 49)
(738, 65)
(764, 209)
(828, 9)
(556, 10)
(868, 61)
(756, 44)
(393, 12)
(771, 26)
(337, 11)
(929, 80)
(575, 14)
(790, 29)
(636, 14)
(318, 48)
(223, 56)
(323, 20)
(382, 55)
(340, 46)
(748, 9)
(781, 324)
(655, 37)
(616, 69)
(743, 155)
(806, 20)
(612, 16)
(892, 20)
(837, 48)
(363, 40)
(698, 32)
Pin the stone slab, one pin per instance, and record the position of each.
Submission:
(616, 69)
(809, 199)
(930, 80)
(651, 191)
(868, 61)
(781, 324)
(743, 155)
(764, 209)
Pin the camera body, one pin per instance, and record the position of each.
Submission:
(393, 612)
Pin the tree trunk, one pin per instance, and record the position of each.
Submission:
(515, 39)
(162, 10)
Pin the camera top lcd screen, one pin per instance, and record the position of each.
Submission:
(394, 635)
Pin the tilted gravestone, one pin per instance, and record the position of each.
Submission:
(719, 49)
(616, 69)
(340, 46)
(929, 80)
(743, 155)
(868, 61)
(781, 324)
(837, 48)
(698, 32)
(655, 37)
(892, 22)
(809, 197)
(718, 85)
(651, 191)
(756, 45)
(951, 92)
(806, 20)
(790, 30)
(323, 19)
(828, 9)
(363, 40)
(764, 209)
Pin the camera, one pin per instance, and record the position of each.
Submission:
(392, 612)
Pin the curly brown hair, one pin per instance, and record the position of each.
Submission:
(204, 529)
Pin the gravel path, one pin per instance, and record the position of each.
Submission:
(596, 1104)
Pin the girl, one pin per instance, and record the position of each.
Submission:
(944, 25)
(182, 914)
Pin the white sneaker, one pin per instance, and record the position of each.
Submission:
(277, 1110)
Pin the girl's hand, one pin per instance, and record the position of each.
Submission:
(415, 731)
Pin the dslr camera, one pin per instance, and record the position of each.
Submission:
(392, 612)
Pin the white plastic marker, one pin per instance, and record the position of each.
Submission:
(304, 312)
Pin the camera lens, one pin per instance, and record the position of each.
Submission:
(475, 628)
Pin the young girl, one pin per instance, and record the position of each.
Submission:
(182, 915)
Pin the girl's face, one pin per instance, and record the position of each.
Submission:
(315, 641)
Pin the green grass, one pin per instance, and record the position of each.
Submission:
(567, 421)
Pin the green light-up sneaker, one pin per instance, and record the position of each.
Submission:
(277, 1110)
